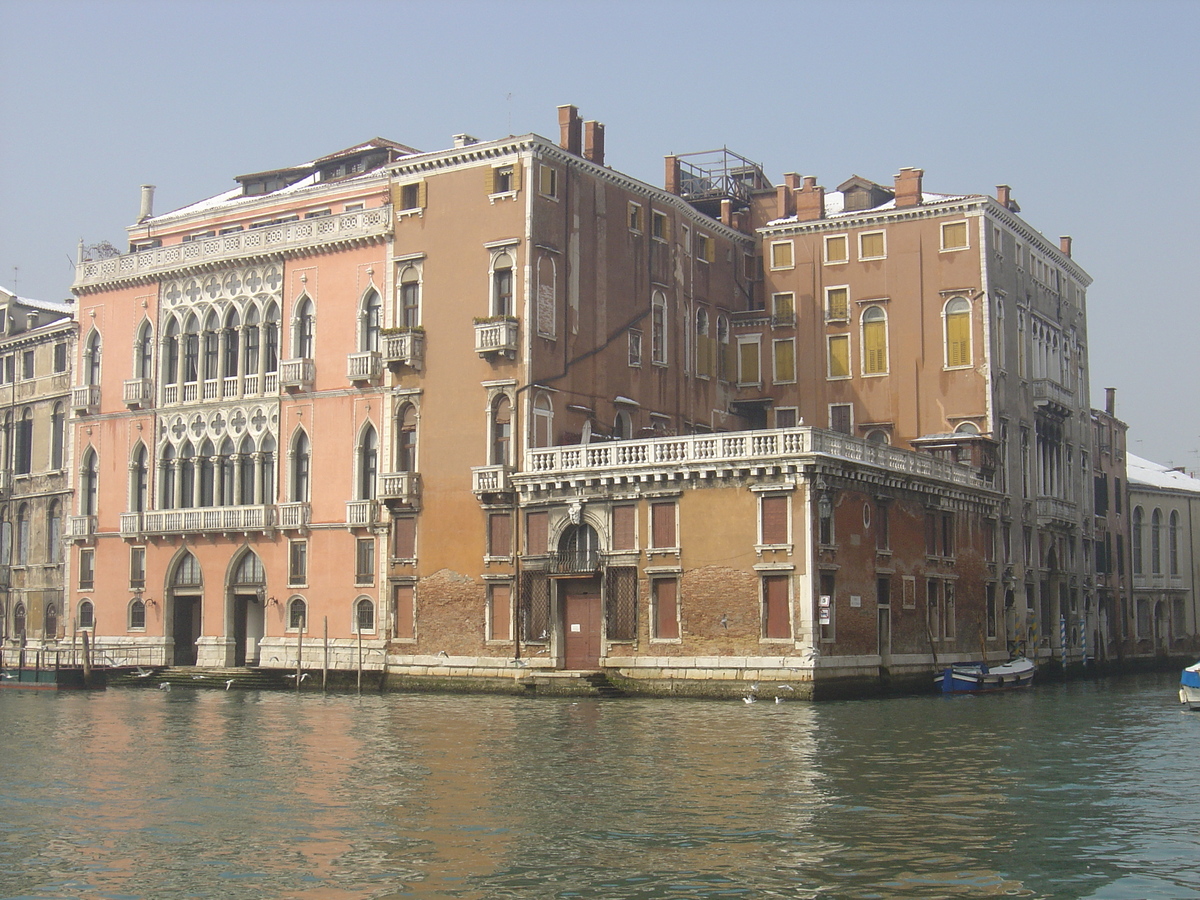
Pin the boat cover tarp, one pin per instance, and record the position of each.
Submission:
(1191, 676)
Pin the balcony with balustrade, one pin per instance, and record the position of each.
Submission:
(404, 348)
(198, 520)
(496, 335)
(139, 393)
(85, 399)
(491, 480)
(294, 516)
(574, 562)
(1052, 397)
(1055, 509)
(361, 513)
(81, 528)
(400, 489)
(364, 367)
(297, 374)
(763, 452)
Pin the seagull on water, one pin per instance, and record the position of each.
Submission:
(165, 686)
(229, 684)
(749, 698)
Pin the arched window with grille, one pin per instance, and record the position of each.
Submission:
(364, 616)
(297, 614)
(87, 615)
(301, 453)
(875, 341)
(578, 550)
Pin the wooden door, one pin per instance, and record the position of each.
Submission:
(581, 629)
(186, 628)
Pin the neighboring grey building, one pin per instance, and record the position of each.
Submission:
(37, 341)
(1165, 545)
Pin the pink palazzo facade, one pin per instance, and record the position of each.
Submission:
(500, 413)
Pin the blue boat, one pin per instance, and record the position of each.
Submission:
(1189, 687)
(978, 678)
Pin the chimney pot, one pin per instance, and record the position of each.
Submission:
(1110, 401)
(672, 186)
(908, 187)
(464, 140)
(570, 133)
(147, 207)
(593, 142)
(809, 200)
(1064, 244)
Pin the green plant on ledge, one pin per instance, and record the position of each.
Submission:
(492, 320)
(403, 329)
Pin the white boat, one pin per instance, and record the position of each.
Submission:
(974, 678)
(1189, 687)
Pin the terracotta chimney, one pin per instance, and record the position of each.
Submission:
(593, 142)
(810, 200)
(908, 187)
(671, 183)
(147, 207)
(727, 213)
(1003, 194)
(785, 202)
(1064, 244)
(569, 129)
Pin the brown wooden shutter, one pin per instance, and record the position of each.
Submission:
(501, 619)
(403, 609)
(776, 621)
(536, 533)
(499, 534)
(404, 537)
(666, 604)
(663, 524)
(623, 525)
(775, 520)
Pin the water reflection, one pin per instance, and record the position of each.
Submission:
(1082, 790)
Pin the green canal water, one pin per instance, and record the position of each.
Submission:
(1087, 789)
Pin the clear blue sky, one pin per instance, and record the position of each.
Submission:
(1089, 110)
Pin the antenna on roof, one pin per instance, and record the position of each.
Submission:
(508, 101)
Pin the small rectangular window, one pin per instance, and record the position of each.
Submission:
(836, 249)
(504, 179)
(785, 361)
(87, 568)
(783, 309)
(786, 417)
(499, 619)
(635, 349)
(748, 361)
(954, 236)
(706, 248)
(841, 417)
(298, 563)
(909, 583)
(536, 533)
(60, 357)
(27, 364)
(364, 561)
(412, 196)
(660, 226)
(137, 568)
(781, 255)
(499, 534)
(548, 181)
(871, 245)
(839, 356)
(773, 519)
(776, 618)
(662, 525)
(837, 304)
(664, 593)
(624, 534)
(404, 537)
(635, 217)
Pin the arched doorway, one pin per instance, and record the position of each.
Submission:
(246, 611)
(186, 592)
(576, 566)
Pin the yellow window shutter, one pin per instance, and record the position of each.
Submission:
(875, 341)
(421, 194)
(516, 176)
(489, 178)
(839, 356)
(958, 339)
(729, 361)
(785, 361)
(749, 354)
